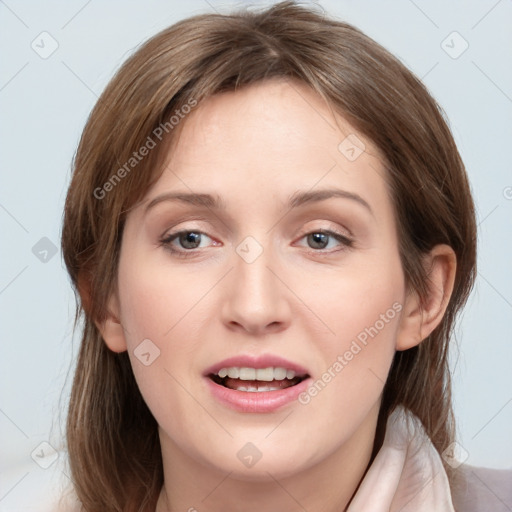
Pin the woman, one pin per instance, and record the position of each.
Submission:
(271, 232)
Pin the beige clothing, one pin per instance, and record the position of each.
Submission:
(407, 475)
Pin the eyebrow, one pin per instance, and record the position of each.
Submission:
(296, 200)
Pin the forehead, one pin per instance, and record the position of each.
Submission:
(257, 113)
(277, 136)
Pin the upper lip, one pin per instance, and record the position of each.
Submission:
(252, 361)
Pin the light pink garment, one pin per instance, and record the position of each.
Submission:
(407, 475)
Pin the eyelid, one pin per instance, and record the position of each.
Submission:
(169, 237)
(328, 227)
(345, 240)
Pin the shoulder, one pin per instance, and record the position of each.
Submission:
(478, 489)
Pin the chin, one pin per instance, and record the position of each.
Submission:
(262, 471)
(266, 463)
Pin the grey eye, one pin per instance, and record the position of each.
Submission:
(318, 240)
(189, 239)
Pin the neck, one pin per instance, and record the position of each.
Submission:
(328, 486)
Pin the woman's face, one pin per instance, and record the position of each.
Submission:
(287, 259)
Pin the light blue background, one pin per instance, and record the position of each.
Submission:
(45, 102)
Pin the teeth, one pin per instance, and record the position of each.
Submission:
(263, 374)
(247, 374)
(280, 373)
(233, 373)
(253, 389)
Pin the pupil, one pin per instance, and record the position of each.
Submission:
(319, 239)
(190, 240)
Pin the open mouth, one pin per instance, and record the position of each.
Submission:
(257, 379)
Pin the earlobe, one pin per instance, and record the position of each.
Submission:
(109, 326)
(421, 317)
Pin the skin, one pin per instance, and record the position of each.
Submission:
(255, 148)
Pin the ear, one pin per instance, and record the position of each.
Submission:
(110, 327)
(421, 317)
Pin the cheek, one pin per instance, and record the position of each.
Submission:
(155, 306)
(361, 309)
(356, 297)
(156, 300)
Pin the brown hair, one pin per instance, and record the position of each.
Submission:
(113, 466)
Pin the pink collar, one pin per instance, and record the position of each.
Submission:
(407, 475)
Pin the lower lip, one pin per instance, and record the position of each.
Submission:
(257, 401)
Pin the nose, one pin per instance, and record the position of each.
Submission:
(256, 301)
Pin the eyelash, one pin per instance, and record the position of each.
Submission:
(188, 253)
